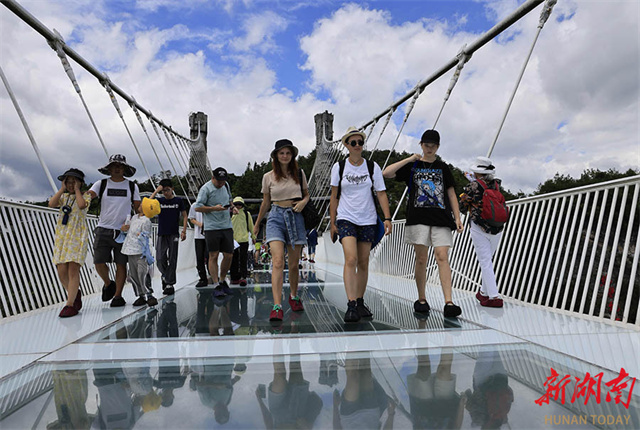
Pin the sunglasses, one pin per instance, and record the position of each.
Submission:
(356, 142)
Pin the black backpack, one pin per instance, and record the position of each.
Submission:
(370, 167)
(103, 187)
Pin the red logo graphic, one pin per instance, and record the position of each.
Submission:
(587, 387)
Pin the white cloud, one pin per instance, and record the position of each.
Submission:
(260, 29)
(577, 106)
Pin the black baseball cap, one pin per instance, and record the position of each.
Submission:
(430, 136)
(220, 173)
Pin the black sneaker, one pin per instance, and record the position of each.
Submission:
(451, 310)
(140, 301)
(169, 290)
(363, 309)
(108, 291)
(225, 287)
(421, 308)
(352, 313)
(118, 302)
(152, 301)
(202, 283)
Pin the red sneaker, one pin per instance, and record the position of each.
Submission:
(276, 314)
(68, 311)
(243, 282)
(296, 304)
(493, 303)
(77, 303)
(481, 297)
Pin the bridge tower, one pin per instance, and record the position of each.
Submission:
(323, 163)
(198, 133)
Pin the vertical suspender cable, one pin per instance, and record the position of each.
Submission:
(28, 130)
(384, 127)
(144, 129)
(544, 15)
(186, 191)
(198, 159)
(105, 84)
(417, 93)
(57, 46)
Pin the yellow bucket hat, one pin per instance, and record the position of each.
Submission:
(150, 207)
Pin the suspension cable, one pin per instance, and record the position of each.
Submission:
(144, 129)
(193, 159)
(57, 46)
(186, 191)
(198, 156)
(28, 130)
(179, 157)
(417, 93)
(544, 15)
(107, 86)
(384, 127)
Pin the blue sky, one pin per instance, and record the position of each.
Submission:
(262, 69)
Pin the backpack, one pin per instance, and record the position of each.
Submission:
(341, 165)
(103, 186)
(494, 209)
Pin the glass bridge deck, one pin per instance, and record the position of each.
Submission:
(196, 361)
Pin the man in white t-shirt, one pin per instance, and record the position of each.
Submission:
(117, 196)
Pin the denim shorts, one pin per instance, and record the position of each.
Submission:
(362, 233)
(285, 225)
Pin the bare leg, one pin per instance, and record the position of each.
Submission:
(422, 254)
(121, 277)
(444, 270)
(73, 282)
(294, 274)
(277, 274)
(225, 265)
(213, 266)
(364, 249)
(103, 272)
(350, 250)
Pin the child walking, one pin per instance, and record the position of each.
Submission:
(136, 248)
(71, 238)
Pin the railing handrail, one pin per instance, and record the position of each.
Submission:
(572, 191)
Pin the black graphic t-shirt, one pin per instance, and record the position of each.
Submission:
(169, 216)
(428, 199)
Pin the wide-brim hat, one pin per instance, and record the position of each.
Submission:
(283, 143)
(484, 166)
(118, 159)
(352, 131)
(76, 173)
(238, 200)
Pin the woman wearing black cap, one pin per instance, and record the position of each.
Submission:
(285, 189)
(71, 238)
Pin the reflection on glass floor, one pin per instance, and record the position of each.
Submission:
(313, 371)
(197, 313)
(478, 386)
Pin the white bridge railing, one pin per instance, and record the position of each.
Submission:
(575, 250)
(28, 278)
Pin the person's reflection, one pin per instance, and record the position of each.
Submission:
(214, 384)
(116, 408)
(290, 403)
(168, 320)
(491, 399)
(203, 312)
(363, 401)
(70, 394)
(433, 399)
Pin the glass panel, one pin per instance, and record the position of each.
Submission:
(480, 386)
(197, 313)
